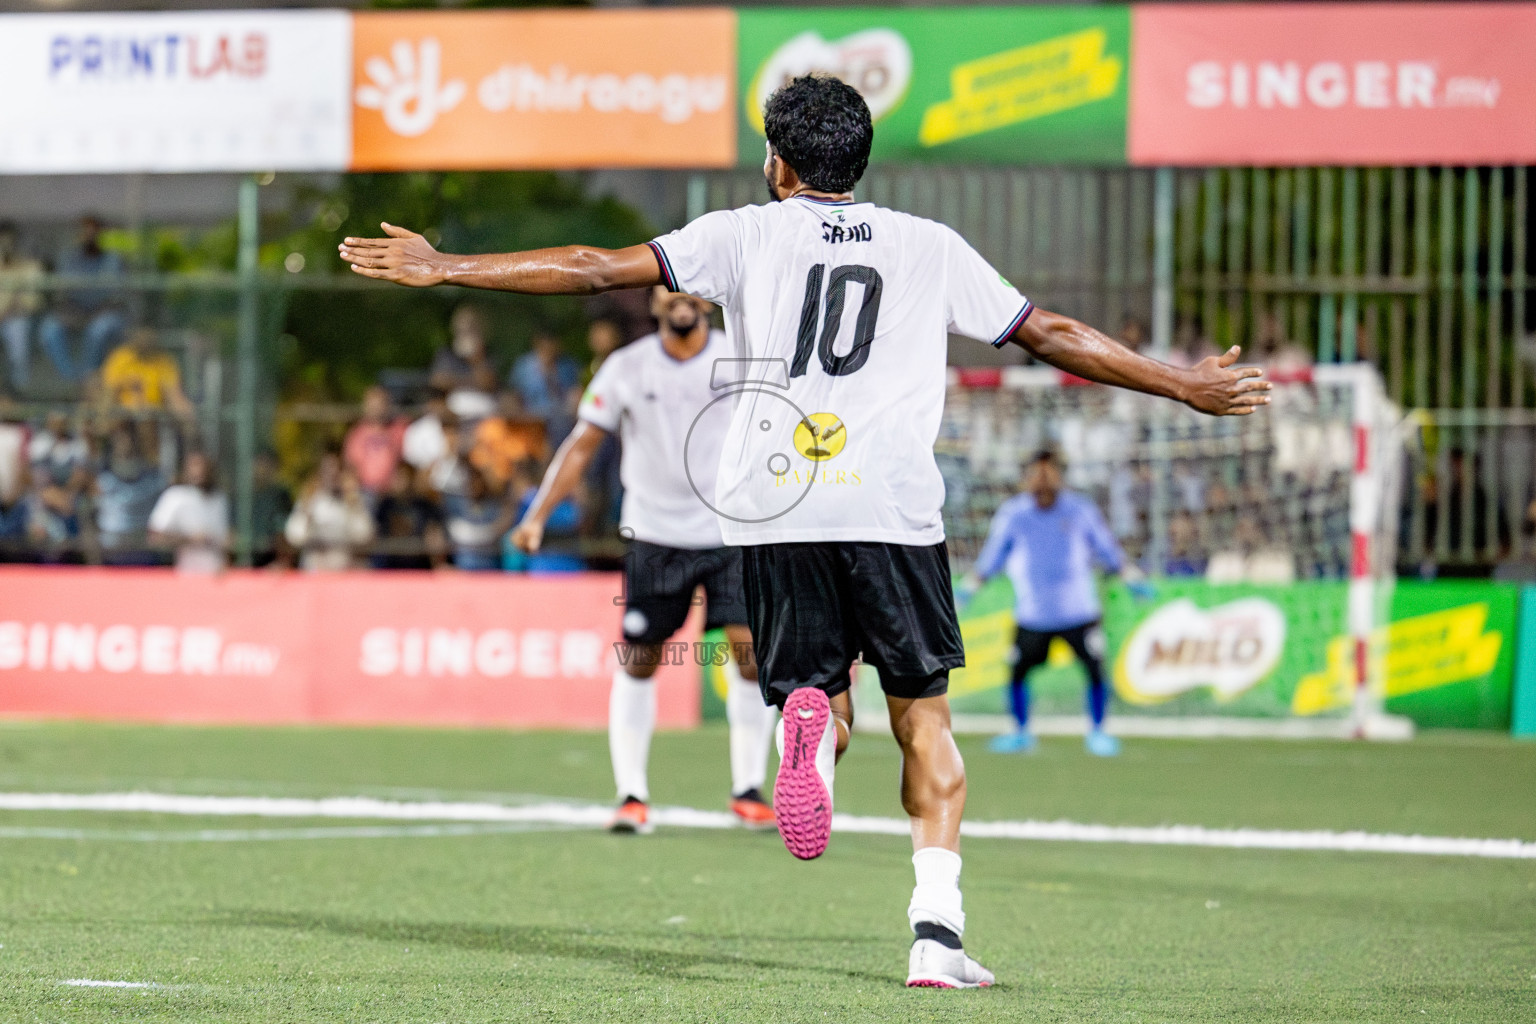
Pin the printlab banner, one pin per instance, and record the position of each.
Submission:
(1298, 84)
(1445, 659)
(183, 91)
(977, 84)
(405, 648)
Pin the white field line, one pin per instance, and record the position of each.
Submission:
(93, 983)
(248, 835)
(594, 816)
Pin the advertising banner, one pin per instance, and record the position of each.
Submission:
(185, 91)
(1296, 84)
(1445, 659)
(1523, 711)
(1042, 85)
(558, 89)
(405, 648)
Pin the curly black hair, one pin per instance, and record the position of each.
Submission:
(821, 127)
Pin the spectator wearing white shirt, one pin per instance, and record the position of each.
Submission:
(424, 442)
(331, 521)
(193, 517)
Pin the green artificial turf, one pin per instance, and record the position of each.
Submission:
(571, 925)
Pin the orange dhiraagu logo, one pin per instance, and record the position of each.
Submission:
(513, 89)
(820, 436)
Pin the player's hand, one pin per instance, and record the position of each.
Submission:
(528, 536)
(1216, 390)
(404, 258)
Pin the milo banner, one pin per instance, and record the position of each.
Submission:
(1446, 658)
(1040, 85)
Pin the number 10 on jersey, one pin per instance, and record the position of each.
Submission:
(836, 293)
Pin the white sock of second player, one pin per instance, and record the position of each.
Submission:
(631, 720)
(751, 728)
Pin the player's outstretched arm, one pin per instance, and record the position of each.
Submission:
(565, 471)
(407, 258)
(1210, 386)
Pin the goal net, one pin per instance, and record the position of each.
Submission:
(1302, 493)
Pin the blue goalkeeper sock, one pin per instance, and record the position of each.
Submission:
(1098, 702)
(1018, 702)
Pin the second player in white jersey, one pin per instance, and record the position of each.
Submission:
(656, 402)
(841, 310)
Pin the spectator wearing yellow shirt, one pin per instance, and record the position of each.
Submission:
(140, 375)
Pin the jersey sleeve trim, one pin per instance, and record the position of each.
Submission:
(1018, 321)
(665, 264)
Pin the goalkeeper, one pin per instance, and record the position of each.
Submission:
(1047, 540)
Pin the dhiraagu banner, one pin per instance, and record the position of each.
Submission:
(1041, 85)
(1445, 659)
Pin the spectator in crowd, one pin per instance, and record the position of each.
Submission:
(424, 441)
(271, 504)
(375, 442)
(549, 383)
(20, 300)
(59, 459)
(127, 488)
(462, 370)
(193, 517)
(604, 489)
(1251, 556)
(1184, 555)
(603, 339)
(84, 310)
(506, 439)
(477, 521)
(556, 553)
(15, 508)
(450, 473)
(408, 526)
(140, 375)
(1464, 492)
(330, 523)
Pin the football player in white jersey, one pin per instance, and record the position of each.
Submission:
(655, 393)
(827, 478)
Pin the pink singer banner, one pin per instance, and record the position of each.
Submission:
(1296, 84)
(404, 648)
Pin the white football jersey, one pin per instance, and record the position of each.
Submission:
(839, 314)
(672, 429)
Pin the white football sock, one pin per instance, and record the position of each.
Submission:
(826, 754)
(751, 726)
(631, 720)
(936, 897)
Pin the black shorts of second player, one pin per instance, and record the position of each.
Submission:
(816, 607)
(1033, 647)
(659, 587)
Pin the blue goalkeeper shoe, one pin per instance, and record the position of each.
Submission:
(1101, 744)
(1017, 742)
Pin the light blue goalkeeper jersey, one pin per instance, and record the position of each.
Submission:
(1049, 555)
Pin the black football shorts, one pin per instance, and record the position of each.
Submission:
(816, 607)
